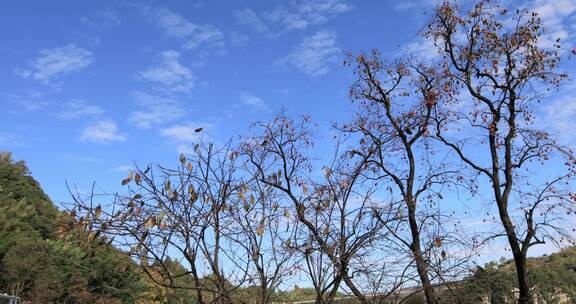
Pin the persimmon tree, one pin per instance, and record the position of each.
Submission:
(395, 105)
(181, 213)
(499, 62)
(263, 232)
(332, 206)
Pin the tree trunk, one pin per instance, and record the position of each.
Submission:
(421, 265)
(524, 296)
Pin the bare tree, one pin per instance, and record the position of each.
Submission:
(499, 59)
(180, 213)
(264, 233)
(396, 104)
(333, 206)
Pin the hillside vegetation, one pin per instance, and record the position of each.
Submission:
(552, 277)
(43, 265)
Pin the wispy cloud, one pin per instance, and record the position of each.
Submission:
(554, 14)
(184, 136)
(77, 109)
(249, 17)
(31, 100)
(121, 168)
(558, 117)
(9, 140)
(301, 15)
(415, 4)
(314, 54)
(295, 15)
(253, 101)
(176, 25)
(185, 133)
(423, 49)
(105, 17)
(102, 132)
(57, 62)
(170, 73)
(83, 159)
(156, 110)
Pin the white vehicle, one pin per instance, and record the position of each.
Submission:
(6, 299)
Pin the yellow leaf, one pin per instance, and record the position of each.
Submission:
(151, 222)
(182, 159)
(287, 213)
(260, 230)
(125, 181)
(193, 197)
(252, 199)
(190, 167)
(327, 172)
(137, 179)
(326, 230)
(97, 211)
(304, 189)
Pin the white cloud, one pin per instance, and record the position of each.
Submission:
(156, 110)
(170, 73)
(301, 15)
(84, 159)
(415, 4)
(558, 117)
(252, 101)
(423, 49)
(103, 132)
(554, 14)
(249, 17)
(194, 35)
(30, 100)
(106, 17)
(121, 168)
(185, 133)
(9, 139)
(77, 109)
(314, 54)
(56, 62)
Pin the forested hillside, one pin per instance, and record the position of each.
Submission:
(43, 264)
(553, 278)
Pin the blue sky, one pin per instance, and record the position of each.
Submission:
(87, 88)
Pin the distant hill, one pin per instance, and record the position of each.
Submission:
(553, 278)
(39, 265)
